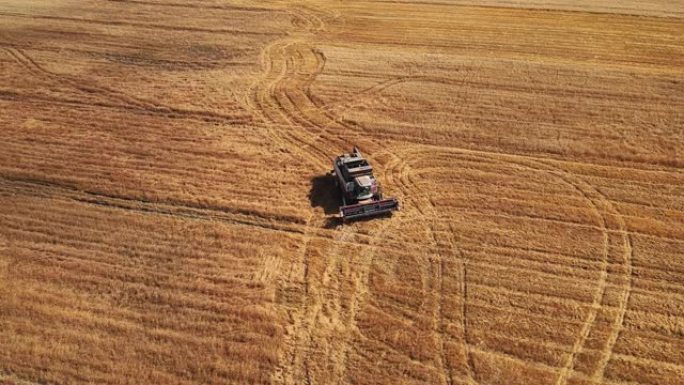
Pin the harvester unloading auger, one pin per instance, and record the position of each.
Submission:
(361, 193)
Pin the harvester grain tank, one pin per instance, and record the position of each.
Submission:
(361, 192)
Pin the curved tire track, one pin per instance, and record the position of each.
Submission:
(604, 210)
(417, 197)
(292, 67)
(283, 98)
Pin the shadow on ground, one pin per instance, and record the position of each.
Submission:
(325, 194)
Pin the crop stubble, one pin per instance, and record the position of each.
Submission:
(160, 223)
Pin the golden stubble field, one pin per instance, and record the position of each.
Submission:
(165, 219)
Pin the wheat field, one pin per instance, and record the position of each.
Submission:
(165, 215)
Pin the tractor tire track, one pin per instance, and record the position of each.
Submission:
(287, 73)
(264, 101)
(307, 112)
(283, 97)
(289, 93)
(303, 110)
(604, 209)
(618, 324)
(426, 209)
(361, 289)
(306, 20)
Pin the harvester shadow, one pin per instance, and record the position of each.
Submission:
(325, 194)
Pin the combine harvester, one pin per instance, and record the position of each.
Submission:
(361, 193)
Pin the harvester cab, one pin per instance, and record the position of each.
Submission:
(361, 193)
